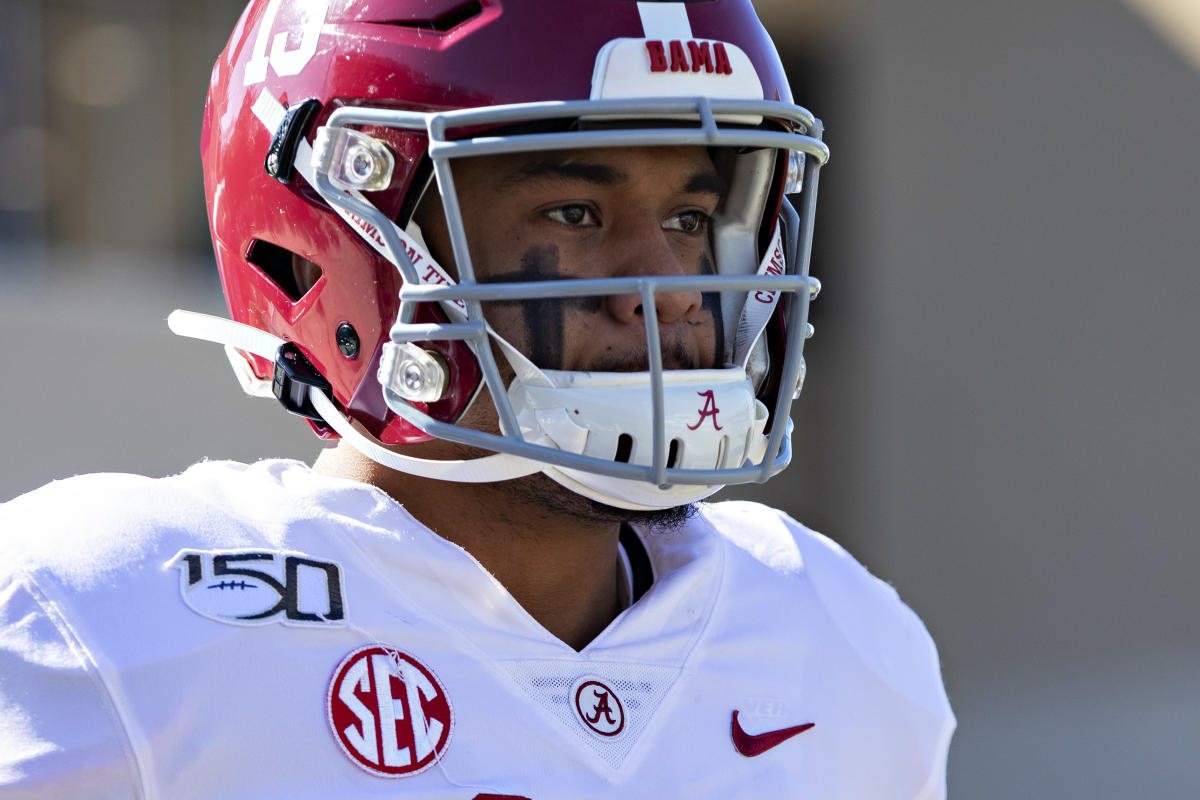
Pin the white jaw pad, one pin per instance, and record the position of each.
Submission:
(708, 414)
(711, 416)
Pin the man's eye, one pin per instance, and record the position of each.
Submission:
(688, 222)
(572, 215)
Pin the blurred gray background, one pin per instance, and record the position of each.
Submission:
(1000, 416)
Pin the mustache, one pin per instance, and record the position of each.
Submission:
(675, 355)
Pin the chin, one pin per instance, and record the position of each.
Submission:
(561, 501)
(662, 519)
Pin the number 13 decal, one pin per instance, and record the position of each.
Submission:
(283, 61)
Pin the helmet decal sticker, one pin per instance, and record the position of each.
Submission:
(708, 410)
(709, 56)
(282, 60)
(629, 68)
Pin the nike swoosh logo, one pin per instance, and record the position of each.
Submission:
(759, 743)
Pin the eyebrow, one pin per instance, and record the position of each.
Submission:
(548, 169)
(702, 182)
(706, 182)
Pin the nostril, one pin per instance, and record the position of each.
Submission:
(625, 307)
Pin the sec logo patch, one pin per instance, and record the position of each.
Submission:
(388, 712)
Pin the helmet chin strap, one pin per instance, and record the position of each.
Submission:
(488, 469)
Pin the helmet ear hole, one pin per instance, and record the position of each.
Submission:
(306, 273)
(291, 272)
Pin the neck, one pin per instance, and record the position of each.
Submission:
(561, 566)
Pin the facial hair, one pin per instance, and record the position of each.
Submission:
(555, 500)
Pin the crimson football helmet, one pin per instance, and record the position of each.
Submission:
(328, 121)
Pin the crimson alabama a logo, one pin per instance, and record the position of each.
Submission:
(709, 409)
(598, 707)
(388, 712)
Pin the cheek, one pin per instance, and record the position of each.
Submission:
(507, 319)
(540, 328)
(712, 318)
(544, 326)
(710, 330)
(536, 327)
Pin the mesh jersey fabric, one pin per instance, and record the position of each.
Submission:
(120, 676)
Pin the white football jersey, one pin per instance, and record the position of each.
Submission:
(265, 632)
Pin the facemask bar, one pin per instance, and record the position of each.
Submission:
(646, 287)
(474, 330)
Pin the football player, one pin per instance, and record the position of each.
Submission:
(538, 272)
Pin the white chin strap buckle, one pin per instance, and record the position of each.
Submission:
(294, 379)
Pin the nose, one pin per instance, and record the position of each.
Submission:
(648, 251)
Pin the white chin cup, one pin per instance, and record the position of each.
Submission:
(711, 421)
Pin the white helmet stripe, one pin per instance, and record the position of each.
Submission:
(665, 21)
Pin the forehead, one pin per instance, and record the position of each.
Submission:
(676, 168)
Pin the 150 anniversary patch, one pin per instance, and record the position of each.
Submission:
(258, 587)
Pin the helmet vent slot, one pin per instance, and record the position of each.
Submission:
(446, 21)
(293, 274)
(674, 453)
(624, 448)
